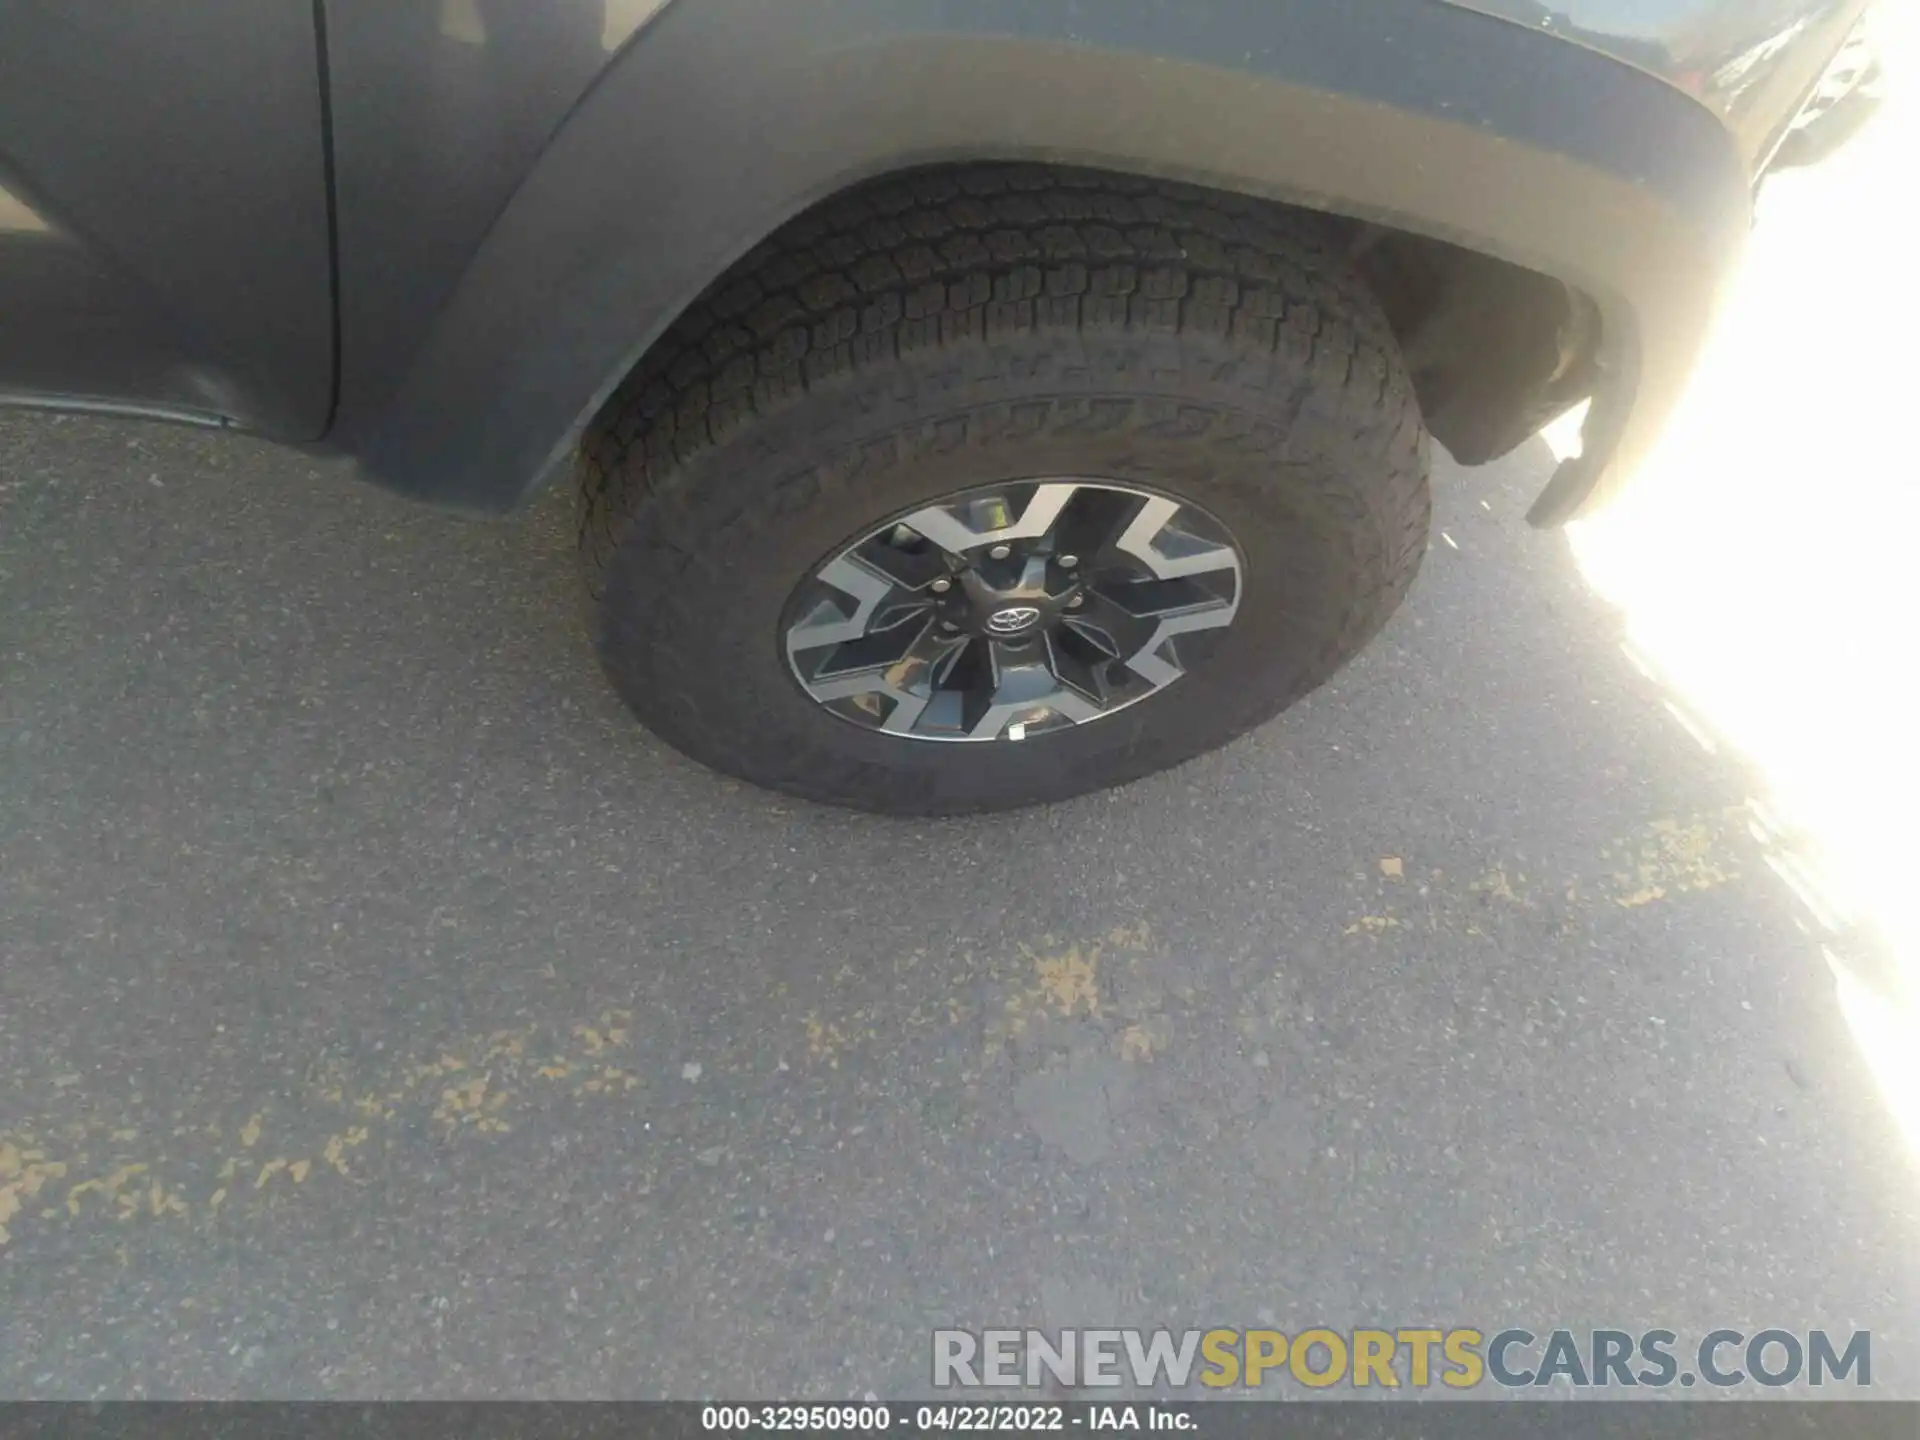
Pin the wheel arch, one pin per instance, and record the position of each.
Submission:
(1430, 130)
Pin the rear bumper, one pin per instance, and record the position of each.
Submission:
(1749, 62)
(1756, 90)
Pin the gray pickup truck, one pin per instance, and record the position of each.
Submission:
(972, 402)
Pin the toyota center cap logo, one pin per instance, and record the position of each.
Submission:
(1012, 620)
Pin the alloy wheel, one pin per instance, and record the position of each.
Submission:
(1010, 610)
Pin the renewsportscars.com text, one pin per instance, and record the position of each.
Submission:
(1411, 1358)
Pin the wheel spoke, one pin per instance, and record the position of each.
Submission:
(1150, 599)
(1153, 663)
(906, 678)
(1081, 664)
(904, 567)
(1093, 522)
(976, 678)
(968, 525)
(876, 649)
(826, 624)
(1111, 626)
(1169, 550)
(1028, 691)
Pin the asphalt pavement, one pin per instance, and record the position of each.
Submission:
(382, 1013)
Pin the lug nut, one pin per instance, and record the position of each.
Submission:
(1067, 562)
(1075, 602)
(941, 586)
(1001, 552)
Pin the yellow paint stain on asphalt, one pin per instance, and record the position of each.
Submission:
(609, 1032)
(1070, 979)
(1373, 925)
(609, 1078)
(470, 1103)
(825, 1040)
(1141, 1041)
(467, 1086)
(1667, 858)
(334, 1152)
(1497, 885)
(106, 1186)
(24, 1173)
(877, 1005)
(1065, 984)
(162, 1201)
(1672, 857)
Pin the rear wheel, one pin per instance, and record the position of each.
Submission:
(983, 488)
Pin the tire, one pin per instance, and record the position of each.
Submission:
(956, 328)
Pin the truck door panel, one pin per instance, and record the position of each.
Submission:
(163, 210)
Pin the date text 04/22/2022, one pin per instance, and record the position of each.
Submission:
(871, 1418)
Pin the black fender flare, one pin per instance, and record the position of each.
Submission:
(722, 119)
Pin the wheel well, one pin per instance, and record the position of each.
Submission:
(1495, 351)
